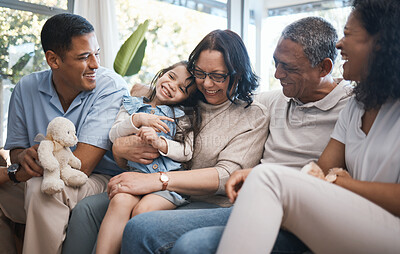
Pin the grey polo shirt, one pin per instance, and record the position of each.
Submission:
(299, 132)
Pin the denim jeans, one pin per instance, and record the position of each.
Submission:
(194, 231)
(86, 218)
(206, 240)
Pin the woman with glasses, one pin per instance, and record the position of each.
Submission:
(229, 134)
(230, 129)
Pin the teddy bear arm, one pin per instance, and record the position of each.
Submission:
(46, 156)
(74, 161)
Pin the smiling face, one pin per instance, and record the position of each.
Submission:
(75, 71)
(171, 87)
(293, 69)
(212, 61)
(355, 48)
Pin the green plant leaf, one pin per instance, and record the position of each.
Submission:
(21, 63)
(137, 60)
(126, 55)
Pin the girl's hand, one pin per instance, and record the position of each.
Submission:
(149, 120)
(149, 136)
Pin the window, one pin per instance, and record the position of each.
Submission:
(61, 4)
(175, 28)
(20, 49)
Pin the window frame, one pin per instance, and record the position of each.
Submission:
(32, 8)
(36, 8)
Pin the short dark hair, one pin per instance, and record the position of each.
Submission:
(236, 60)
(317, 37)
(380, 18)
(58, 31)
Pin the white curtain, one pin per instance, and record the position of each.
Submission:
(101, 14)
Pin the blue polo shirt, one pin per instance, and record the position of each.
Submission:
(34, 103)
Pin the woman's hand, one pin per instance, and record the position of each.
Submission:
(343, 178)
(134, 183)
(150, 120)
(235, 182)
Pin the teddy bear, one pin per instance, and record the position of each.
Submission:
(60, 166)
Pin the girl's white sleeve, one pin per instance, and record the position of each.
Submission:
(178, 151)
(122, 126)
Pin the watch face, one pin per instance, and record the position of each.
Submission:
(13, 168)
(164, 178)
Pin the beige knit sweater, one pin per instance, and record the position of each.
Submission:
(232, 137)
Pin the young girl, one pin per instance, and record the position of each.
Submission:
(152, 119)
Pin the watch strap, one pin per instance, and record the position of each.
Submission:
(13, 178)
(164, 182)
(12, 175)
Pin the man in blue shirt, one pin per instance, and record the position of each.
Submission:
(75, 87)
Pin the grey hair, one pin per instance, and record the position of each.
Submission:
(317, 37)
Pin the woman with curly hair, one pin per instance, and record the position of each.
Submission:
(357, 209)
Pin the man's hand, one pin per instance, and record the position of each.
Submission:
(134, 183)
(153, 121)
(133, 148)
(235, 182)
(27, 158)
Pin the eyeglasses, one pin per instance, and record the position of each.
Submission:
(217, 77)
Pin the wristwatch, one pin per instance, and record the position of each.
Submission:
(12, 171)
(164, 179)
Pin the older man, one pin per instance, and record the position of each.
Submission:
(77, 88)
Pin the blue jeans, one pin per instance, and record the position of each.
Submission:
(194, 231)
(86, 218)
(206, 240)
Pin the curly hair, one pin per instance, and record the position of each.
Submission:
(236, 60)
(381, 18)
(317, 37)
